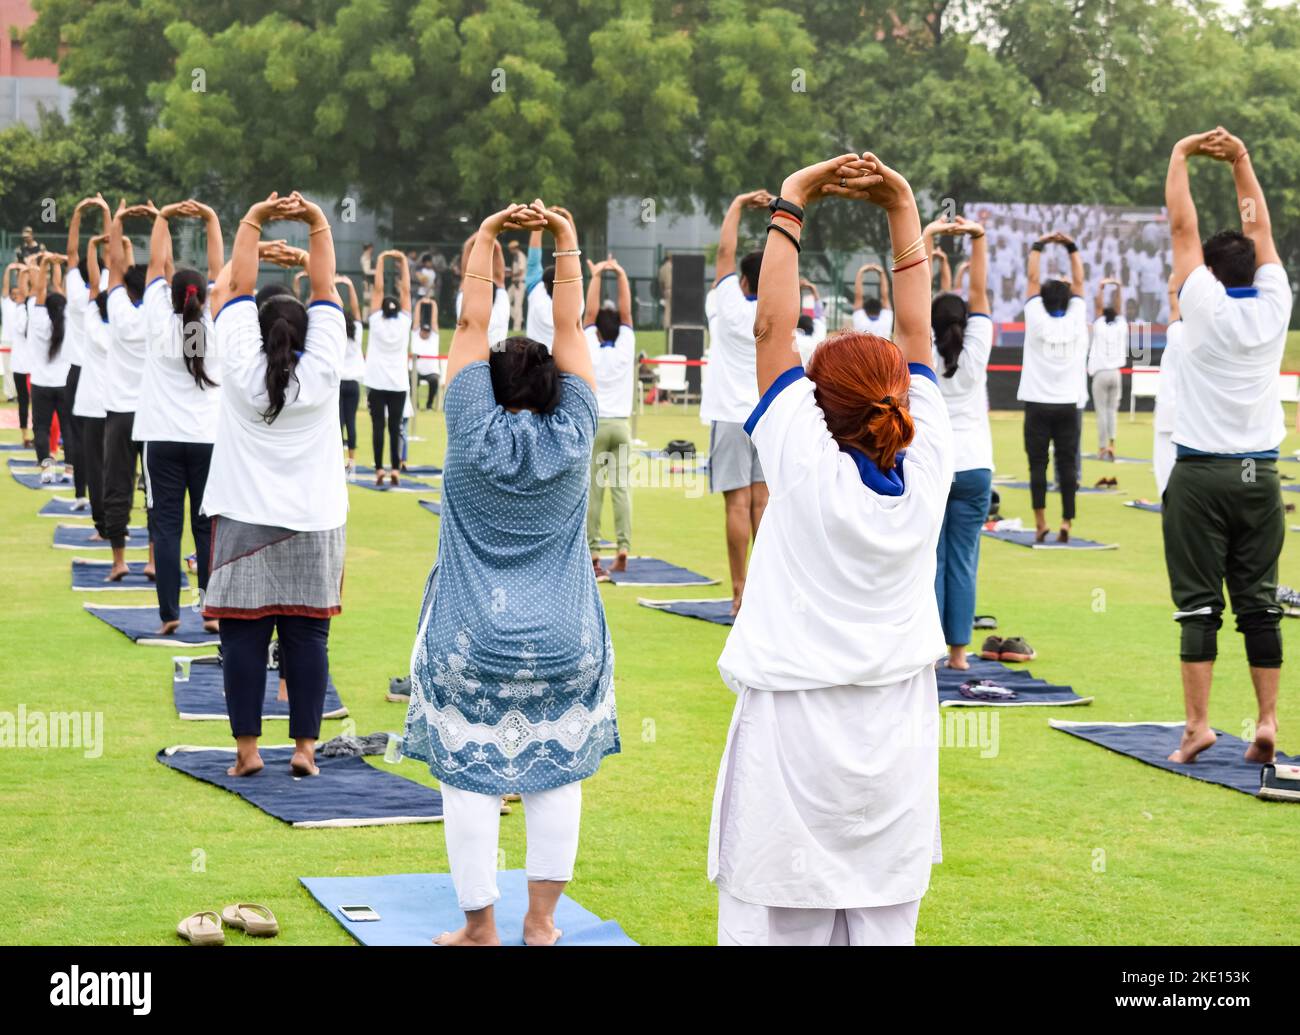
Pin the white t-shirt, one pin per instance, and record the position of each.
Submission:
(840, 589)
(730, 391)
(1109, 349)
(1055, 364)
(425, 347)
(614, 365)
(882, 326)
(287, 474)
(1167, 381)
(387, 351)
(540, 323)
(94, 367)
(499, 320)
(354, 362)
(966, 394)
(1232, 350)
(128, 344)
(16, 318)
(172, 407)
(46, 372)
(806, 344)
(74, 336)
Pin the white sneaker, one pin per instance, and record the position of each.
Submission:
(81, 504)
(47, 471)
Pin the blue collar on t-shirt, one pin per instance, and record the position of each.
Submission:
(884, 483)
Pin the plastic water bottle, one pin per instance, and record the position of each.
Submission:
(393, 751)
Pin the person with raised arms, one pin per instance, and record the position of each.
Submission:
(1107, 357)
(499, 322)
(963, 342)
(512, 670)
(1223, 516)
(831, 760)
(180, 399)
(78, 297)
(128, 343)
(276, 492)
(425, 346)
(47, 324)
(872, 315)
(387, 363)
(352, 374)
(92, 384)
(1054, 381)
(611, 341)
(729, 395)
(15, 323)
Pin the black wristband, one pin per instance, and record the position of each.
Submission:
(789, 236)
(1037, 246)
(1071, 247)
(779, 204)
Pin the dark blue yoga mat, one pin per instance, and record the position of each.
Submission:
(415, 469)
(1152, 742)
(716, 611)
(650, 571)
(432, 506)
(1085, 490)
(1146, 505)
(22, 463)
(32, 480)
(77, 537)
(1118, 459)
(88, 576)
(414, 908)
(140, 624)
(407, 485)
(62, 506)
(1026, 538)
(15, 447)
(198, 691)
(349, 792)
(1028, 690)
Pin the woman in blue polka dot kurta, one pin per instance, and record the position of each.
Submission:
(512, 674)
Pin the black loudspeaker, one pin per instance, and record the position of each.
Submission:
(688, 342)
(688, 291)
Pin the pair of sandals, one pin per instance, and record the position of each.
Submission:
(206, 927)
(1107, 483)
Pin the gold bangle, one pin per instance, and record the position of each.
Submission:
(319, 230)
(255, 226)
(479, 276)
(917, 244)
(566, 280)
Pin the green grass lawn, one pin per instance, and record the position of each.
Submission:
(1049, 840)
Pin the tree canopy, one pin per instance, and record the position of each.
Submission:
(455, 106)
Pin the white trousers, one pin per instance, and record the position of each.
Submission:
(743, 923)
(472, 825)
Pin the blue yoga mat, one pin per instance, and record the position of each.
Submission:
(77, 537)
(88, 576)
(62, 506)
(349, 792)
(1026, 538)
(414, 908)
(1083, 490)
(1152, 742)
(32, 480)
(198, 691)
(15, 447)
(1146, 505)
(428, 469)
(1029, 691)
(1118, 459)
(407, 485)
(716, 611)
(23, 463)
(432, 506)
(140, 624)
(650, 571)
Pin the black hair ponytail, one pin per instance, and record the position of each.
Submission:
(948, 318)
(349, 323)
(1109, 314)
(189, 292)
(283, 320)
(55, 306)
(390, 307)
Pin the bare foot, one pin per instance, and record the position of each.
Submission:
(246, 766)
(150, 574)
(167, 628)
(95, 537)
(1063, 536)
(1192, 744)
(463, 937)
(1040, 534)
(737, 595)
(212, 625)
(282, 692)
(117, 574)
(540, 930)
(957, 660)
(1264, 748)
(620, 562)
(393, 480)
(601, 574)
(303, 763)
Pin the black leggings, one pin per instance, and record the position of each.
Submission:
(92, 467)
(432, 381)
(171, 470)
(349, 400)
(304, 664)
(74, 433)
(46, 402)
(386, 408)
(24, 396)
(120, 454)
(1057, 425)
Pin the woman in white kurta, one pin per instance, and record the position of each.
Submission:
(825, 817)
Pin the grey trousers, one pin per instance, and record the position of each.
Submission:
(1107, 387)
